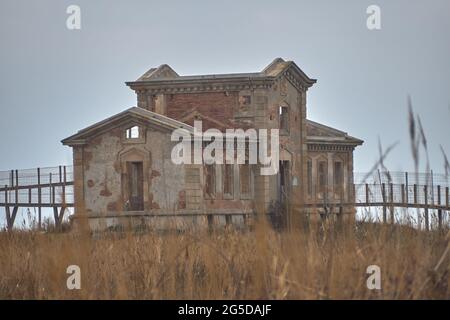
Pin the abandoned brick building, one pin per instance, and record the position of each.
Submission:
(123, 173)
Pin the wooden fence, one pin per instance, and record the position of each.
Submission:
(50, 187)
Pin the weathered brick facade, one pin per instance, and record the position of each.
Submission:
(108, 163)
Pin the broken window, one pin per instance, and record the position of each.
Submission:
(322, 176)
(245, 178)
(135, 186)
(228, 179)
(245, 100)
(284, 119)
(338, 177)
(210, 180)
(309, 176)
(132, 133)
(284, 178)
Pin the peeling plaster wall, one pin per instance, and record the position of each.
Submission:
(103, 172)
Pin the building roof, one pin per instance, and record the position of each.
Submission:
(130, 115)
(318, 133)
(164, 75)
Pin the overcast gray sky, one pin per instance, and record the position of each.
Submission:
(54, 81)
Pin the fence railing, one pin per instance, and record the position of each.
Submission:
(50, 186)
(400, 177)
(53, 187)
(402, 195)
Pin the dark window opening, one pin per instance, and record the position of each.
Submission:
(135, 186)
(210, 180)
(245, 100)
(338, 177)
(284, 119)
(245, 178)
(322, 176)
(309, 178)
(284, 176)
(228, 179)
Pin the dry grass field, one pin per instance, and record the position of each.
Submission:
(319, 261)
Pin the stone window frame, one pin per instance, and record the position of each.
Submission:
(134, 154)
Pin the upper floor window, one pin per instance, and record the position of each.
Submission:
(132, 133)
(210, 181)
(322, 174)
(245, 179)
(284, 119)
(228, 180)
(245, 100)
(310, 180)
(338, 176)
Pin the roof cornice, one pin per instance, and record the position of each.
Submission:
(180, 85)
(223, 82)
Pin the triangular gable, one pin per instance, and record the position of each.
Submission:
(275, 67)
(164, 71)
(320, 130)
(317, 132)
(279, 67)
(130, 116)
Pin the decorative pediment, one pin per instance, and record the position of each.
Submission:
(162, 72)
(127, 119)
(319, 133)
(319, 130)
(290, 71)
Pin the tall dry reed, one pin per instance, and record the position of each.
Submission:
(316, 261)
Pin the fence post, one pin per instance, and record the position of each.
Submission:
(367, 194)
(64, 186)
(439, 204)
(432, 188)
(403, 195)
(391, 207)
(406, 185)
(6, 195)
(51, 189)
(39, 198)
(53, 194)
(7, 212)
(16, 193)
(425, 189)
(446, 197)
(415, 194)
(383, 194)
